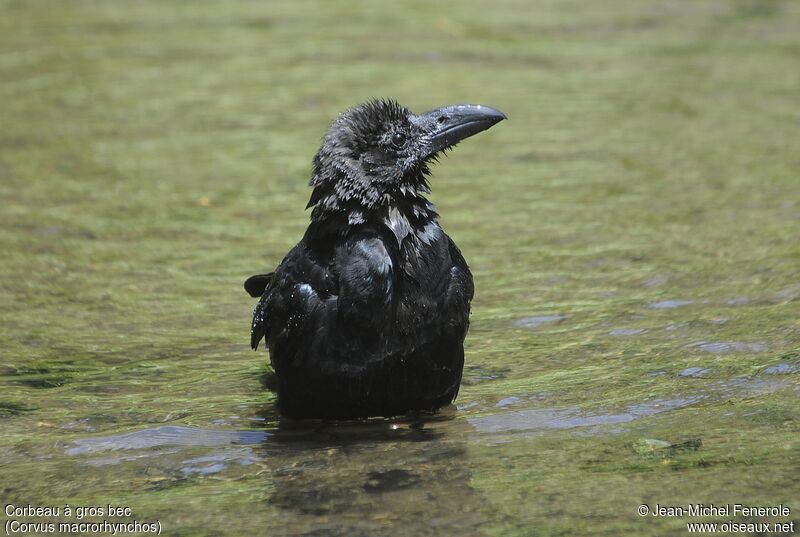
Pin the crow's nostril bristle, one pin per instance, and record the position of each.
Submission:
(442, 119)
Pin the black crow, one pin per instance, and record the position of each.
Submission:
(367, 315)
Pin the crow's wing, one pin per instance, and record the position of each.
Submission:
(441, 290)
(289, 295)
(319, 302)
(460, 289)
(366, 263)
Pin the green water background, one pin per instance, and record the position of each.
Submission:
(632, 229)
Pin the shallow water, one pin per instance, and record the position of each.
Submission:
(632, 230)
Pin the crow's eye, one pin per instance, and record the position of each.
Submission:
(398, 140)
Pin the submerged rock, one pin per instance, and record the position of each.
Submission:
(537, 321)
(166, 435)
(669, 304)
(651, 446)
(695, 372)
(738, 301)
(783, 368)
(627, 331)
(727, 347)
(647, 446)
(507, 401)
(788, 294)
(204, 470)
(540, 419)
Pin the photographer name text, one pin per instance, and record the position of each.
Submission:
(727, 509)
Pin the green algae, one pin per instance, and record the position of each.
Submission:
(154, 154)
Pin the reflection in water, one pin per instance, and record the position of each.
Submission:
(375, 478)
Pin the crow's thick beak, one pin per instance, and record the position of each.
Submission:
(450, 124)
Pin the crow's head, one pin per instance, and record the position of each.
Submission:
(376, 154)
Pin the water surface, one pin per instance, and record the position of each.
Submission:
(632, 230)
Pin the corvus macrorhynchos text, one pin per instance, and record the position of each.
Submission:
(367, 315)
